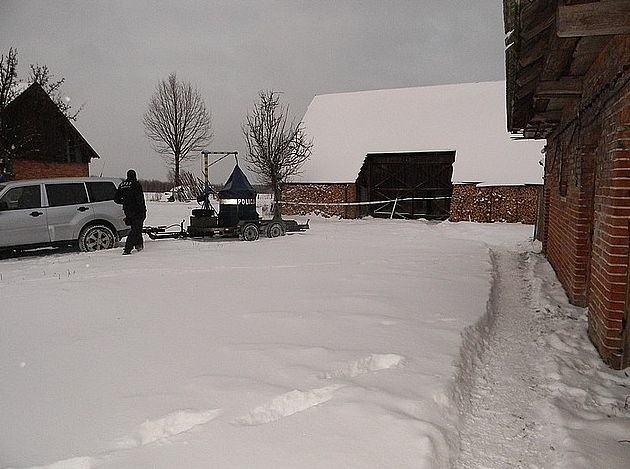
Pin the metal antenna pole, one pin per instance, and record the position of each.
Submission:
(205, 171)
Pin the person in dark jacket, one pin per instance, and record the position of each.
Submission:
(130, 195)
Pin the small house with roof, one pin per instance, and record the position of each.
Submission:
(38, 140)
(433, 152)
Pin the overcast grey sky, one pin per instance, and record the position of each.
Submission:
(113, 53)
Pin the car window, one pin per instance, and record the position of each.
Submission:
(101, 191)
(23, 197)
(66, 194)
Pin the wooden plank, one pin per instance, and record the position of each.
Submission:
(528, 89)
(606, 17)
(533, 52)
(565, 86)
(558, 57)
(538, 28)
(586, 52)
(532, 12)
(550, 117)
(529, 73)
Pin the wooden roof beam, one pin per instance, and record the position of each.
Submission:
(547, 117)
(606, 17)
(558, 57)
(538, 28)
(533, 52)
(564, 87)
(529, 73)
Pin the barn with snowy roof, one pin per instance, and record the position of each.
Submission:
(432, 152)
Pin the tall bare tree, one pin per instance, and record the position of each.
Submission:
(276, 148)
(8, 76)
(8, 80)
(177, 122)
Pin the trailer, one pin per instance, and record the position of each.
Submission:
(237, 216)
(246, 230)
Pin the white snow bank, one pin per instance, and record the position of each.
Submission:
(336, 347)
(589, 401)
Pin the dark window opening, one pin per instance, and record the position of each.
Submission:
(66, 194)
(101, 191)
(21, 198)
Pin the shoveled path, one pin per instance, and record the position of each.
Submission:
(503, 427)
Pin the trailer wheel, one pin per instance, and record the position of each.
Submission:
(275, 229)
(250, 232)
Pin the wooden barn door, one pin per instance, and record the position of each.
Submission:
(424, 179)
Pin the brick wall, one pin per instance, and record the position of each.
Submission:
(587, 200)
(512, 204)
(29, 169)
(568, 218)
(320, 193)
(609, 261)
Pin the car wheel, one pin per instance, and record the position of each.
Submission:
(97, 237)
(274, 230)
(250, 232)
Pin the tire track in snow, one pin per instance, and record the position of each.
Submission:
(501, 426)
(287, 404)
(296, 401)
(167, 426)
(151, 431)
(371, 363)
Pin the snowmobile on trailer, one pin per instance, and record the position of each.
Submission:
(237, 216)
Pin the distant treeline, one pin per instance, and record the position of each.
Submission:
(154, 185)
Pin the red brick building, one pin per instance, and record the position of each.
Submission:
(568, 72)
(39, 141)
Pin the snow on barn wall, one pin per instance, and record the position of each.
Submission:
(578, 98)
(468, 119)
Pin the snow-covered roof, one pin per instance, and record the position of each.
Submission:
(468, 118)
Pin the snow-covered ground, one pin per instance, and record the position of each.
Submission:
(357, 344)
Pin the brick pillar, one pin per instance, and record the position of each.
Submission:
(609, 280)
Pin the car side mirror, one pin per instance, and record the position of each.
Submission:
(4, 206)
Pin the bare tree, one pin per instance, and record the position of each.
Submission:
(177, 122)
(276, 148)
(8, 80)
(8, 76)
(41, 74)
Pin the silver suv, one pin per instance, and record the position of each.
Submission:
(53, 212)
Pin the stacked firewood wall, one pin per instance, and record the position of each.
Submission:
(305, 199)
(511, 204)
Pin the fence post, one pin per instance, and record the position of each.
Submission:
(393, 209)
